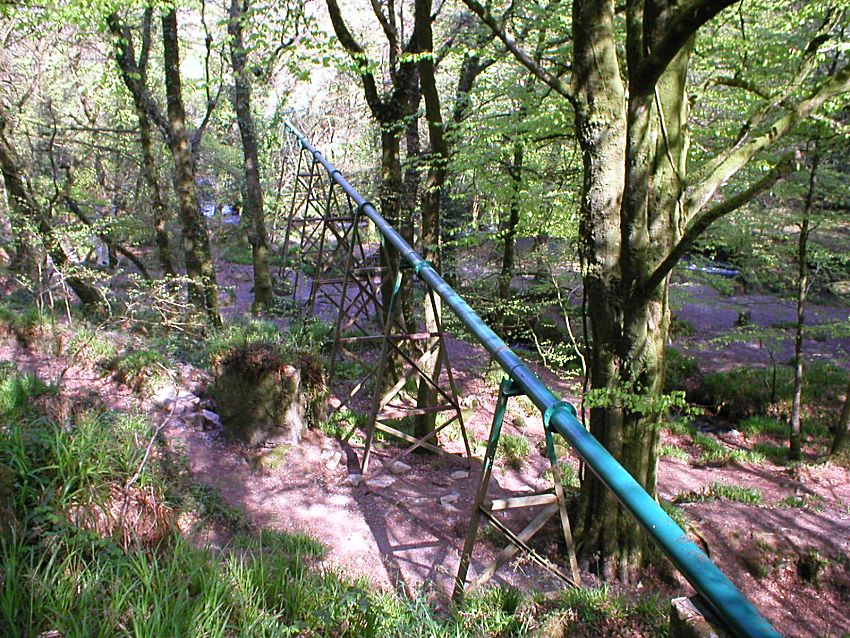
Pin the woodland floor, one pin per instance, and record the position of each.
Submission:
(408, 535)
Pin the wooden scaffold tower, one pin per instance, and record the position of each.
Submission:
(339, 271)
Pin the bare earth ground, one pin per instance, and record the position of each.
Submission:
(408, 535)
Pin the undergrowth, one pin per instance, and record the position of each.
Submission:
(93, 548)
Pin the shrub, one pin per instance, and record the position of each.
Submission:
(744, 392)
(681, 327)
(26, 324)
(682, 371)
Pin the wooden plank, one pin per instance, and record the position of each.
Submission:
(500, 504)
(401, 412)
(406, 437)
(523, 537)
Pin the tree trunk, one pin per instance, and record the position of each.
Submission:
(431, 197)
(841, 437)
(133, 74)
(203, 289)
(795, 452)
(509, 225)
(390, 197)
(22, 205)
(253, 200)
(638, 218)
(634, 168)
(409, 200)
(158, 209)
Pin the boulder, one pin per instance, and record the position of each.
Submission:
(687, 621)
(264, 395)
(398, 467)
(353, 480)
(380, 482)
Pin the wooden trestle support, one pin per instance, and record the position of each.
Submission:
(553, 502)
(329, 237)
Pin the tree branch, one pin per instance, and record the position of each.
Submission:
(358, 56)
(75, 208)
(132, 75)
(674, 35)
(212, 102)
(144, 54)
(739, 83)
(702, 192)
(700, 223)
(522, 56)
(807, 66)
(389, 29)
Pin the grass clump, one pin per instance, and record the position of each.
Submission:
(673, 452)
(90, 345)
(140, 370)
(806, 501)
(721, 490)
(570, 480)
(715, 452)
(516, 449)
(17, 392)
(342, 421)
(598, 611)
(763, 425)
(676, 513)
(70, 573)
(776, 454)
(680, 426)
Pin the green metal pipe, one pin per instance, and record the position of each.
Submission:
(726, 602)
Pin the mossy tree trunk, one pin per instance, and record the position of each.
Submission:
(134, 74)
(203, 289)
(253, 200)
(640, 214)
(431, 199)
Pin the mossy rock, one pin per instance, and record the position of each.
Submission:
(265, 395)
